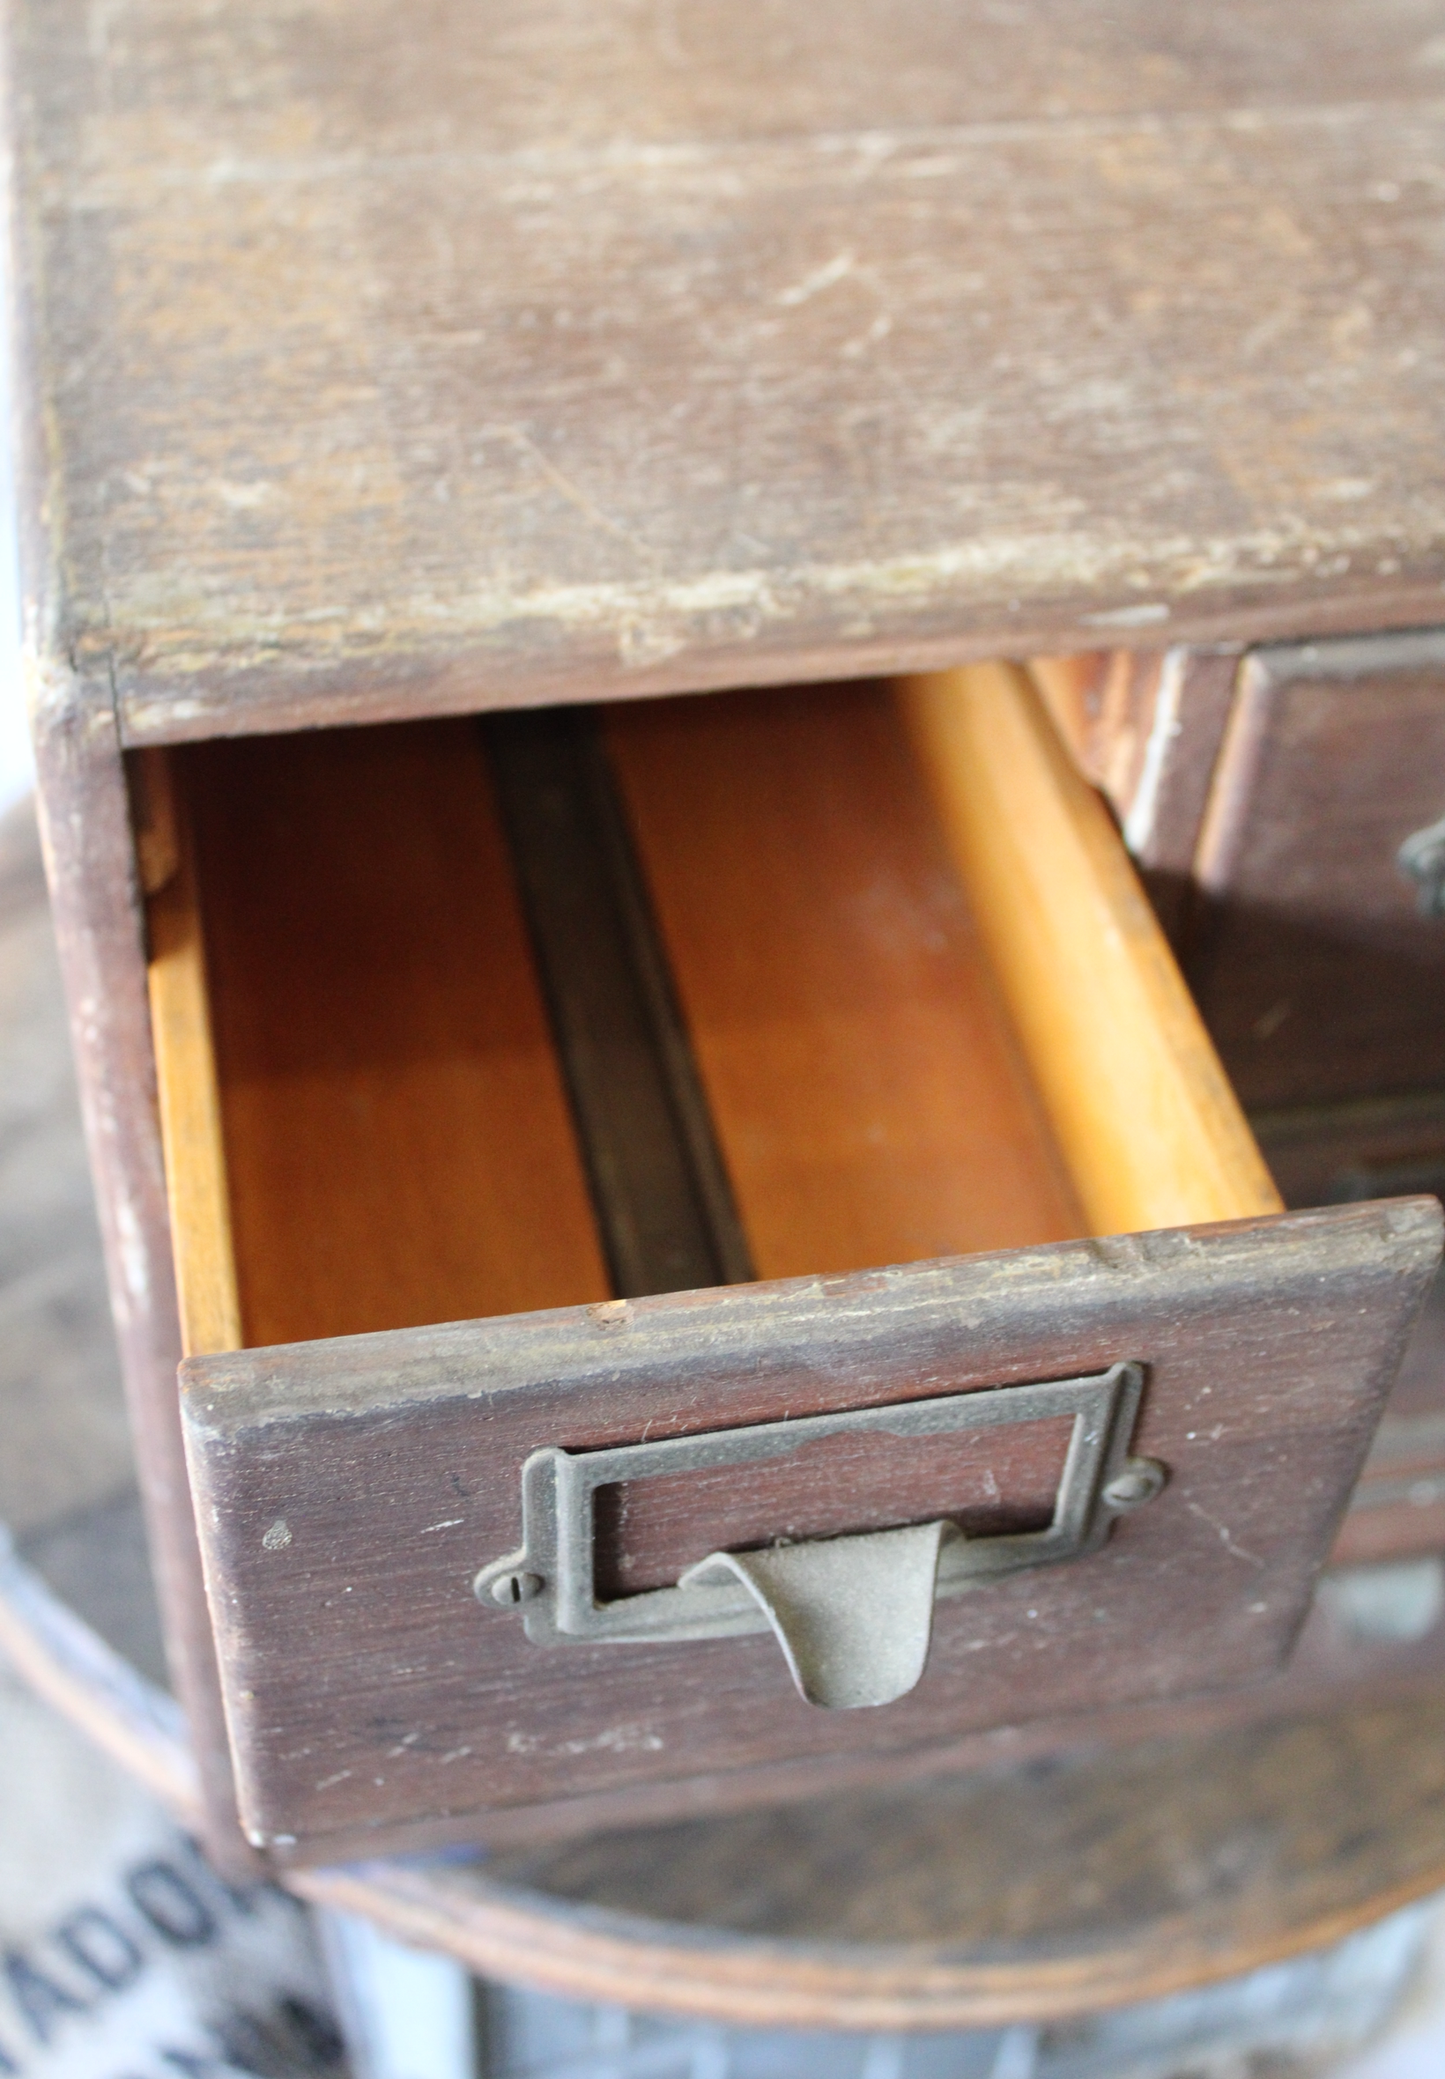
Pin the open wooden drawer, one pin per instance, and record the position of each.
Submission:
(470, 1033)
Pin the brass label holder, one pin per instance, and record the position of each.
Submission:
(852, 1614)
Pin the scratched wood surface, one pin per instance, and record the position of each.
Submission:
(371, 1698)
(85, 821)
(375, 360)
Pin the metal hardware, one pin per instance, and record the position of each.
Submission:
(854, 1616)
(660, 1189)
(1137, 1481)
(516, 1588)
(725, 1595)
(1422, 857)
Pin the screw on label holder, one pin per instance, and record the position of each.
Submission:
(1422, 857)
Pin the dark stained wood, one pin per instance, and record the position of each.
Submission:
(1338, 1153)
(398, 1143)
(867, 1091)
(1146, 727)
(372, 1699)
(86, 832)
(649, 1530)
(88, 840)
(1106, 1872)
(457, 357)
(1317, 976)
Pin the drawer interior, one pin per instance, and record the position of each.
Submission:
(926, 1006)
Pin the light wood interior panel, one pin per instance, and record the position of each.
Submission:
(1144, 1114)
(869, 1098)
(396, 1134)
(189, 1097)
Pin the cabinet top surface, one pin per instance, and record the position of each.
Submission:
(376, 359)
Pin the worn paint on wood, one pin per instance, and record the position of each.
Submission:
(384, 360)
(1348, 1808)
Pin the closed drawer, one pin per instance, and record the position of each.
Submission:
(1319, 961)
(855, 983)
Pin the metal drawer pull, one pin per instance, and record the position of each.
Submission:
(852, 1614)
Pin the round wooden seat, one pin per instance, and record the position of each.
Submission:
(1004, 1894)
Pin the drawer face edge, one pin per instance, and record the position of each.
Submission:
(349, 1491)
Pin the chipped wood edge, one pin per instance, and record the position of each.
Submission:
(1147, 1122)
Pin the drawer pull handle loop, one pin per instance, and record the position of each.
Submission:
(854, 1616)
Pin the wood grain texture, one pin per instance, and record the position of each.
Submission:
(1317, 976)
(1147, 1124)
(90, 865)
(649, 1531)
(197, 1187)
(397, 1137)
(1325, 1154)
(738, 350)
(866, 1090)
(1371, 1148)
(371, 1698)
(1146, 727)
(747, 1919)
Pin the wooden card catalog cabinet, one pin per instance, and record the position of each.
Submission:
(373, 382)
(714, 1245)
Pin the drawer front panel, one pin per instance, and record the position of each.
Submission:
(1319, 970)
(348, 1492)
